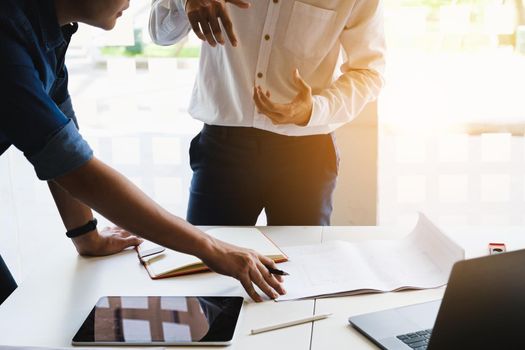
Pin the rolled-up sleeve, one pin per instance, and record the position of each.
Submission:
(32, 121)
(168, 22)
(62, 98)
(67, 108)
(64, 152)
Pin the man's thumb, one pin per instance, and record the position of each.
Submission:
(299, 82)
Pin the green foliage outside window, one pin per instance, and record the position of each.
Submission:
(181, 50)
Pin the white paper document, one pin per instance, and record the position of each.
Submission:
(421, 260)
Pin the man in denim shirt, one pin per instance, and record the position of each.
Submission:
(37, 118)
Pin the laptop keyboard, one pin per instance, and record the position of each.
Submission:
(416, 340)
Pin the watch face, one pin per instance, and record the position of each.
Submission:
(160, 320)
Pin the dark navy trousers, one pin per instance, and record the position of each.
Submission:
(238, 172)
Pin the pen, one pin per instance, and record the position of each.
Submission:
(290, 323)
(278, 272)
(151, 251)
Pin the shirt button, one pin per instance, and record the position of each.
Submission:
(275, 1)
(266, 37)
(259, 75)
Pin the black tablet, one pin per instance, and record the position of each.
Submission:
(160, 320)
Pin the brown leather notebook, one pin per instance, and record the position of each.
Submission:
(162, 262)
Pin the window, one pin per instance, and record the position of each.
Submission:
(451, 117)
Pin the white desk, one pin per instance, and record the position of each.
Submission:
(335, 333)
(54, 301)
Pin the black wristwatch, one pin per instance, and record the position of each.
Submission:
(79, 231)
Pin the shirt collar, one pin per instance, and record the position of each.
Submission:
(52, 34)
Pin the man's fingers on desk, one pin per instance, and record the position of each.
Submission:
(121, 239)
(258, 279)
(270, 279)
(267, 262)
(248, 287)
(119, 244)
(116, 230)
(108, 241)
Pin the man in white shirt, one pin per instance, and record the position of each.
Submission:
(270, 103)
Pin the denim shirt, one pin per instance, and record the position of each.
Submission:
(36, 114)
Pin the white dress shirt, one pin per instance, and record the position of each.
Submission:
(275, 37)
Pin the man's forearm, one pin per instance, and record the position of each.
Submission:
(115, 197)
(73, 212)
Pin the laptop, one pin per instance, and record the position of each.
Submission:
(483, 308)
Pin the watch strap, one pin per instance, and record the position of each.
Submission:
(79, 231)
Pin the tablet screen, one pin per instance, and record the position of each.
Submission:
(160, 320)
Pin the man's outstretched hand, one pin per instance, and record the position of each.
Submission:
(247, 266)
(204, 16)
